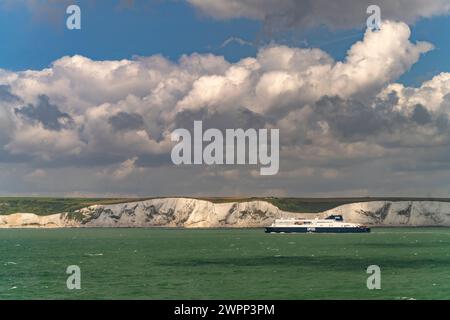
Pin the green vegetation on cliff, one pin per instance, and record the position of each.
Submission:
(46, 206)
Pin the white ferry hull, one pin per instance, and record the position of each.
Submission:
(317, 229)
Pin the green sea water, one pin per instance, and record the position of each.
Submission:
(223, 264)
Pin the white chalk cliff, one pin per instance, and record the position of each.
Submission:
(193, 213)
(181, 212)
(31, 220)
(395, 213)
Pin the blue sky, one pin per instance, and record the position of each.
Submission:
(110, 32)
(175, 28)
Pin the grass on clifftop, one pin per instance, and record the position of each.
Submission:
(316, 205)
(47, 206)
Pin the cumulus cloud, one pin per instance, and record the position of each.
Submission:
(434, 94)
(312, 13)
(110, 119)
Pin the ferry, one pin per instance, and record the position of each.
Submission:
(331, 224)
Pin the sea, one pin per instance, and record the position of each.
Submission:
(155, 263)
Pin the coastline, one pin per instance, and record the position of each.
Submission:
(198, 214)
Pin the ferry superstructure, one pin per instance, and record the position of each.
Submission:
(331, 224)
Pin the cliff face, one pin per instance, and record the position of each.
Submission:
(181, 212)
(30, 220)
(398, 213)
(166, 212)
(192, 213)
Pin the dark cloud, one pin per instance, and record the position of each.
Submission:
(6, 157)
(6, 95)
(124, 121)
(154, 160)
(45, 113)
(421, 115)
(351, 120)
(230, 119)
(287, 14)
(442, 123)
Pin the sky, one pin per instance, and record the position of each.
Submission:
(90, 112)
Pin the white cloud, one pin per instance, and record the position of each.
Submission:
(125, 169)
(44, 144)
(433, 94)
(115, 117)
